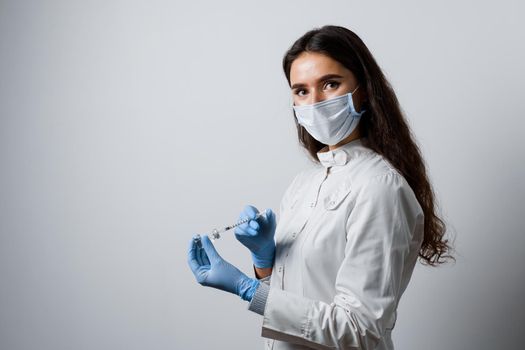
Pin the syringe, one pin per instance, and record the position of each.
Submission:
(216, 233)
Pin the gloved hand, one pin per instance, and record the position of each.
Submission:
(258, 236)
(211, 270)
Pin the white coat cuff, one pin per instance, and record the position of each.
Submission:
(258, 302)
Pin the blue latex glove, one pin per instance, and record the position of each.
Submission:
(258, 236)
(211, 270)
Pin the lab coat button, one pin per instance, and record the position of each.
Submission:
(280, 269)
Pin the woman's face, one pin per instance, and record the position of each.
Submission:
(315, 77)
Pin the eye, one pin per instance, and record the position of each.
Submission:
(298, 92)
(334, 83)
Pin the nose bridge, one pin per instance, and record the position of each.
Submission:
(316, 96)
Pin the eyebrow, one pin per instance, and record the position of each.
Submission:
(324, 77)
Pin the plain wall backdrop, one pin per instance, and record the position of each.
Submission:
(128, 126)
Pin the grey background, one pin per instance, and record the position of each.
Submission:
(126, 127)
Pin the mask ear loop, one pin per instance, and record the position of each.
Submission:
(352, 101)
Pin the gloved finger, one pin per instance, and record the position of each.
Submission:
(208, 246)
(252, 232)
(198, 250)
(192, 256)
(203, 256)
(250, 211)
(239, 231)
(242, 216)
(264, 219)
(268, 218)
(246, 231)
(254, 224)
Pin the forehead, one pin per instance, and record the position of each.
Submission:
(309, 66)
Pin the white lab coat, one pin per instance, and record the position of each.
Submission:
(347, 238)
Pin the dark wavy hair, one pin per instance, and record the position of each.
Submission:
(383, 127)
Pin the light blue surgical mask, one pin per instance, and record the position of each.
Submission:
(329, 121)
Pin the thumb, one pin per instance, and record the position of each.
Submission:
(209, 248)
(270, 215)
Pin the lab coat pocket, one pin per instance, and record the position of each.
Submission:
(334, 199)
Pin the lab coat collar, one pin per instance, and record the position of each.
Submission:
(339, 156)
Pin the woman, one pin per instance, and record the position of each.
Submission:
(331, 273)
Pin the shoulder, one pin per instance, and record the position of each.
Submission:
(388, 190)
(369, 165)
(372, 175)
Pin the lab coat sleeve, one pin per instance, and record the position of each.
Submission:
(258, 302)
(379, 231)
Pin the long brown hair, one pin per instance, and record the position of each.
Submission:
(383, 127)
